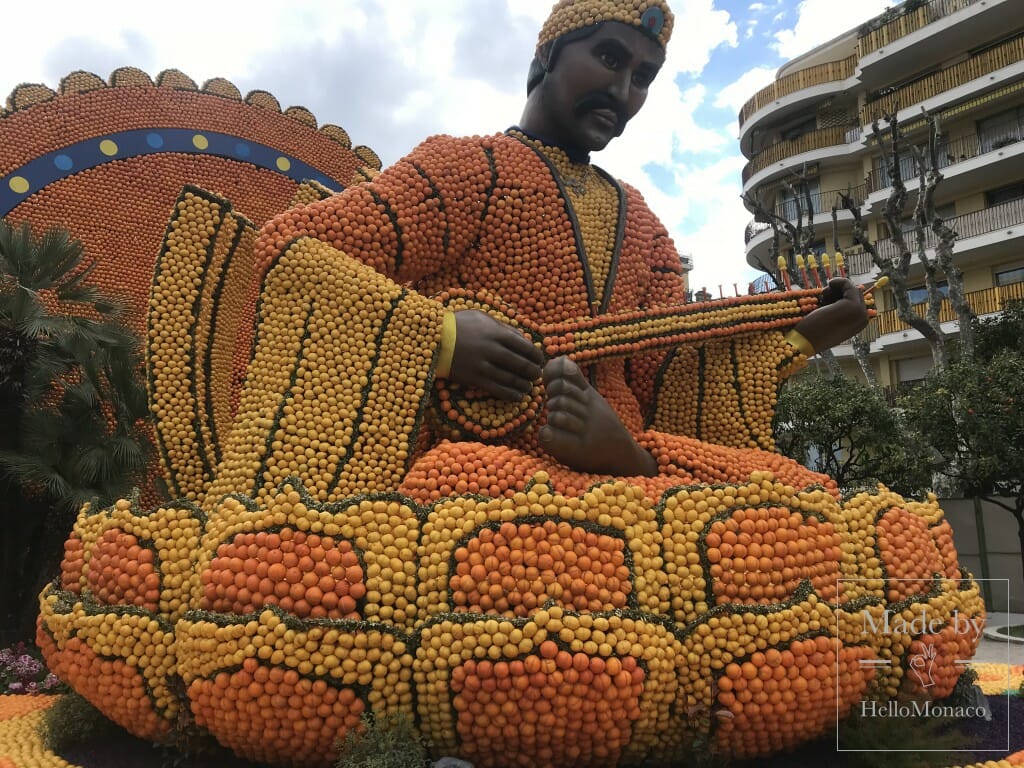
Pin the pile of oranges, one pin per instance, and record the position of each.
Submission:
(498, 623)
(343, 544)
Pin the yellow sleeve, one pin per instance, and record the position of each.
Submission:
(447, 351)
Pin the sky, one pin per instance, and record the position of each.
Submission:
(392, 72)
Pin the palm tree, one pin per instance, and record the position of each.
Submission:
(72, 399)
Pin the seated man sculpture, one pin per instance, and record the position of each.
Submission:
(524, 218)
(488, 468)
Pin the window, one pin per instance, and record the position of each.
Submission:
(1005, 194)
(920, 293)
(805, 126)
(787, 206)
(944, 212)
(913, 369)
(1010, 276)
(1001, 130)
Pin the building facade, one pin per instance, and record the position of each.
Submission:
(962, 61)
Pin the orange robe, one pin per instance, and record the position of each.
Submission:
(496, 216)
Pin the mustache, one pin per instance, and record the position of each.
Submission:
(600, 100)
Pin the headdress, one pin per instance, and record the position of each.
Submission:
(651, 16)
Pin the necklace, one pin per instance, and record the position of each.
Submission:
(576, 184)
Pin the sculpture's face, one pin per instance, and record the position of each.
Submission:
(597, 85)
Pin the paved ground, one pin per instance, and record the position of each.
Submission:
(992, 650)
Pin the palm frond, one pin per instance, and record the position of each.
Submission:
(80, 390)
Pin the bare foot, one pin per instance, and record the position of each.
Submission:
(583, 431)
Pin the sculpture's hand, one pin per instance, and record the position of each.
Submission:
(843, 314)
(583, 431)
(493, 356)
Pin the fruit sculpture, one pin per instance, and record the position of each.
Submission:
(302, 578)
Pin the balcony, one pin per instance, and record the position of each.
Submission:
(829, 72)
(776, 153)
(994, 219)
(948, 154)
(858, 261)
(821, 202)
(907, 23)
(1003, 55)
(983, 302)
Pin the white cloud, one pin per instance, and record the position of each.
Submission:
(819, 21)
(699, 29)
(392, 73)
(737, 93)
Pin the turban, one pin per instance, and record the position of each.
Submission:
(650, 16)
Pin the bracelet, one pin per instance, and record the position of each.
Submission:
(444, 358)
(797, 339)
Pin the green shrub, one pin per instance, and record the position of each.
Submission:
(385, 741)
(71, 721)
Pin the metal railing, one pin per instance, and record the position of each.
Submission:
(1002, 55)
(882, 31)
(1002, 216)
(753, 229)
(858, 261)
(966, 148)
(821, 202)
(819, 139)
(983, 302)
(829, 72)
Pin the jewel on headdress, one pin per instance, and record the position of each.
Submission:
(652, 20)
(652, 16)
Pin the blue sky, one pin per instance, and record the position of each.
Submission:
(392, 72)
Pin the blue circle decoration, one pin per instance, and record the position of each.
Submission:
(652, 20)
(88, 154)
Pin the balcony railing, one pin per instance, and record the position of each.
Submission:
(1002, 55)
(819, 139)
(829, 72)
(877, 36)
(971, 146)
(821, 202)
(858, 261)
(983, 302)
(753, 229)
(1002, 216)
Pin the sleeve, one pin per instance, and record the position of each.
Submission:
(410, 221)
(407, 222)
(722, 391)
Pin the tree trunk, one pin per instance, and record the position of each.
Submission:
(31, 553)
(1017, 510)
(828, 360)
(861, 350)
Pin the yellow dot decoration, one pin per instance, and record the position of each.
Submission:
(283, 163)
(18, 184)
(200, 142)
(108, 147)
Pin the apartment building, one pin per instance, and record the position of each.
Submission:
(963, 61)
